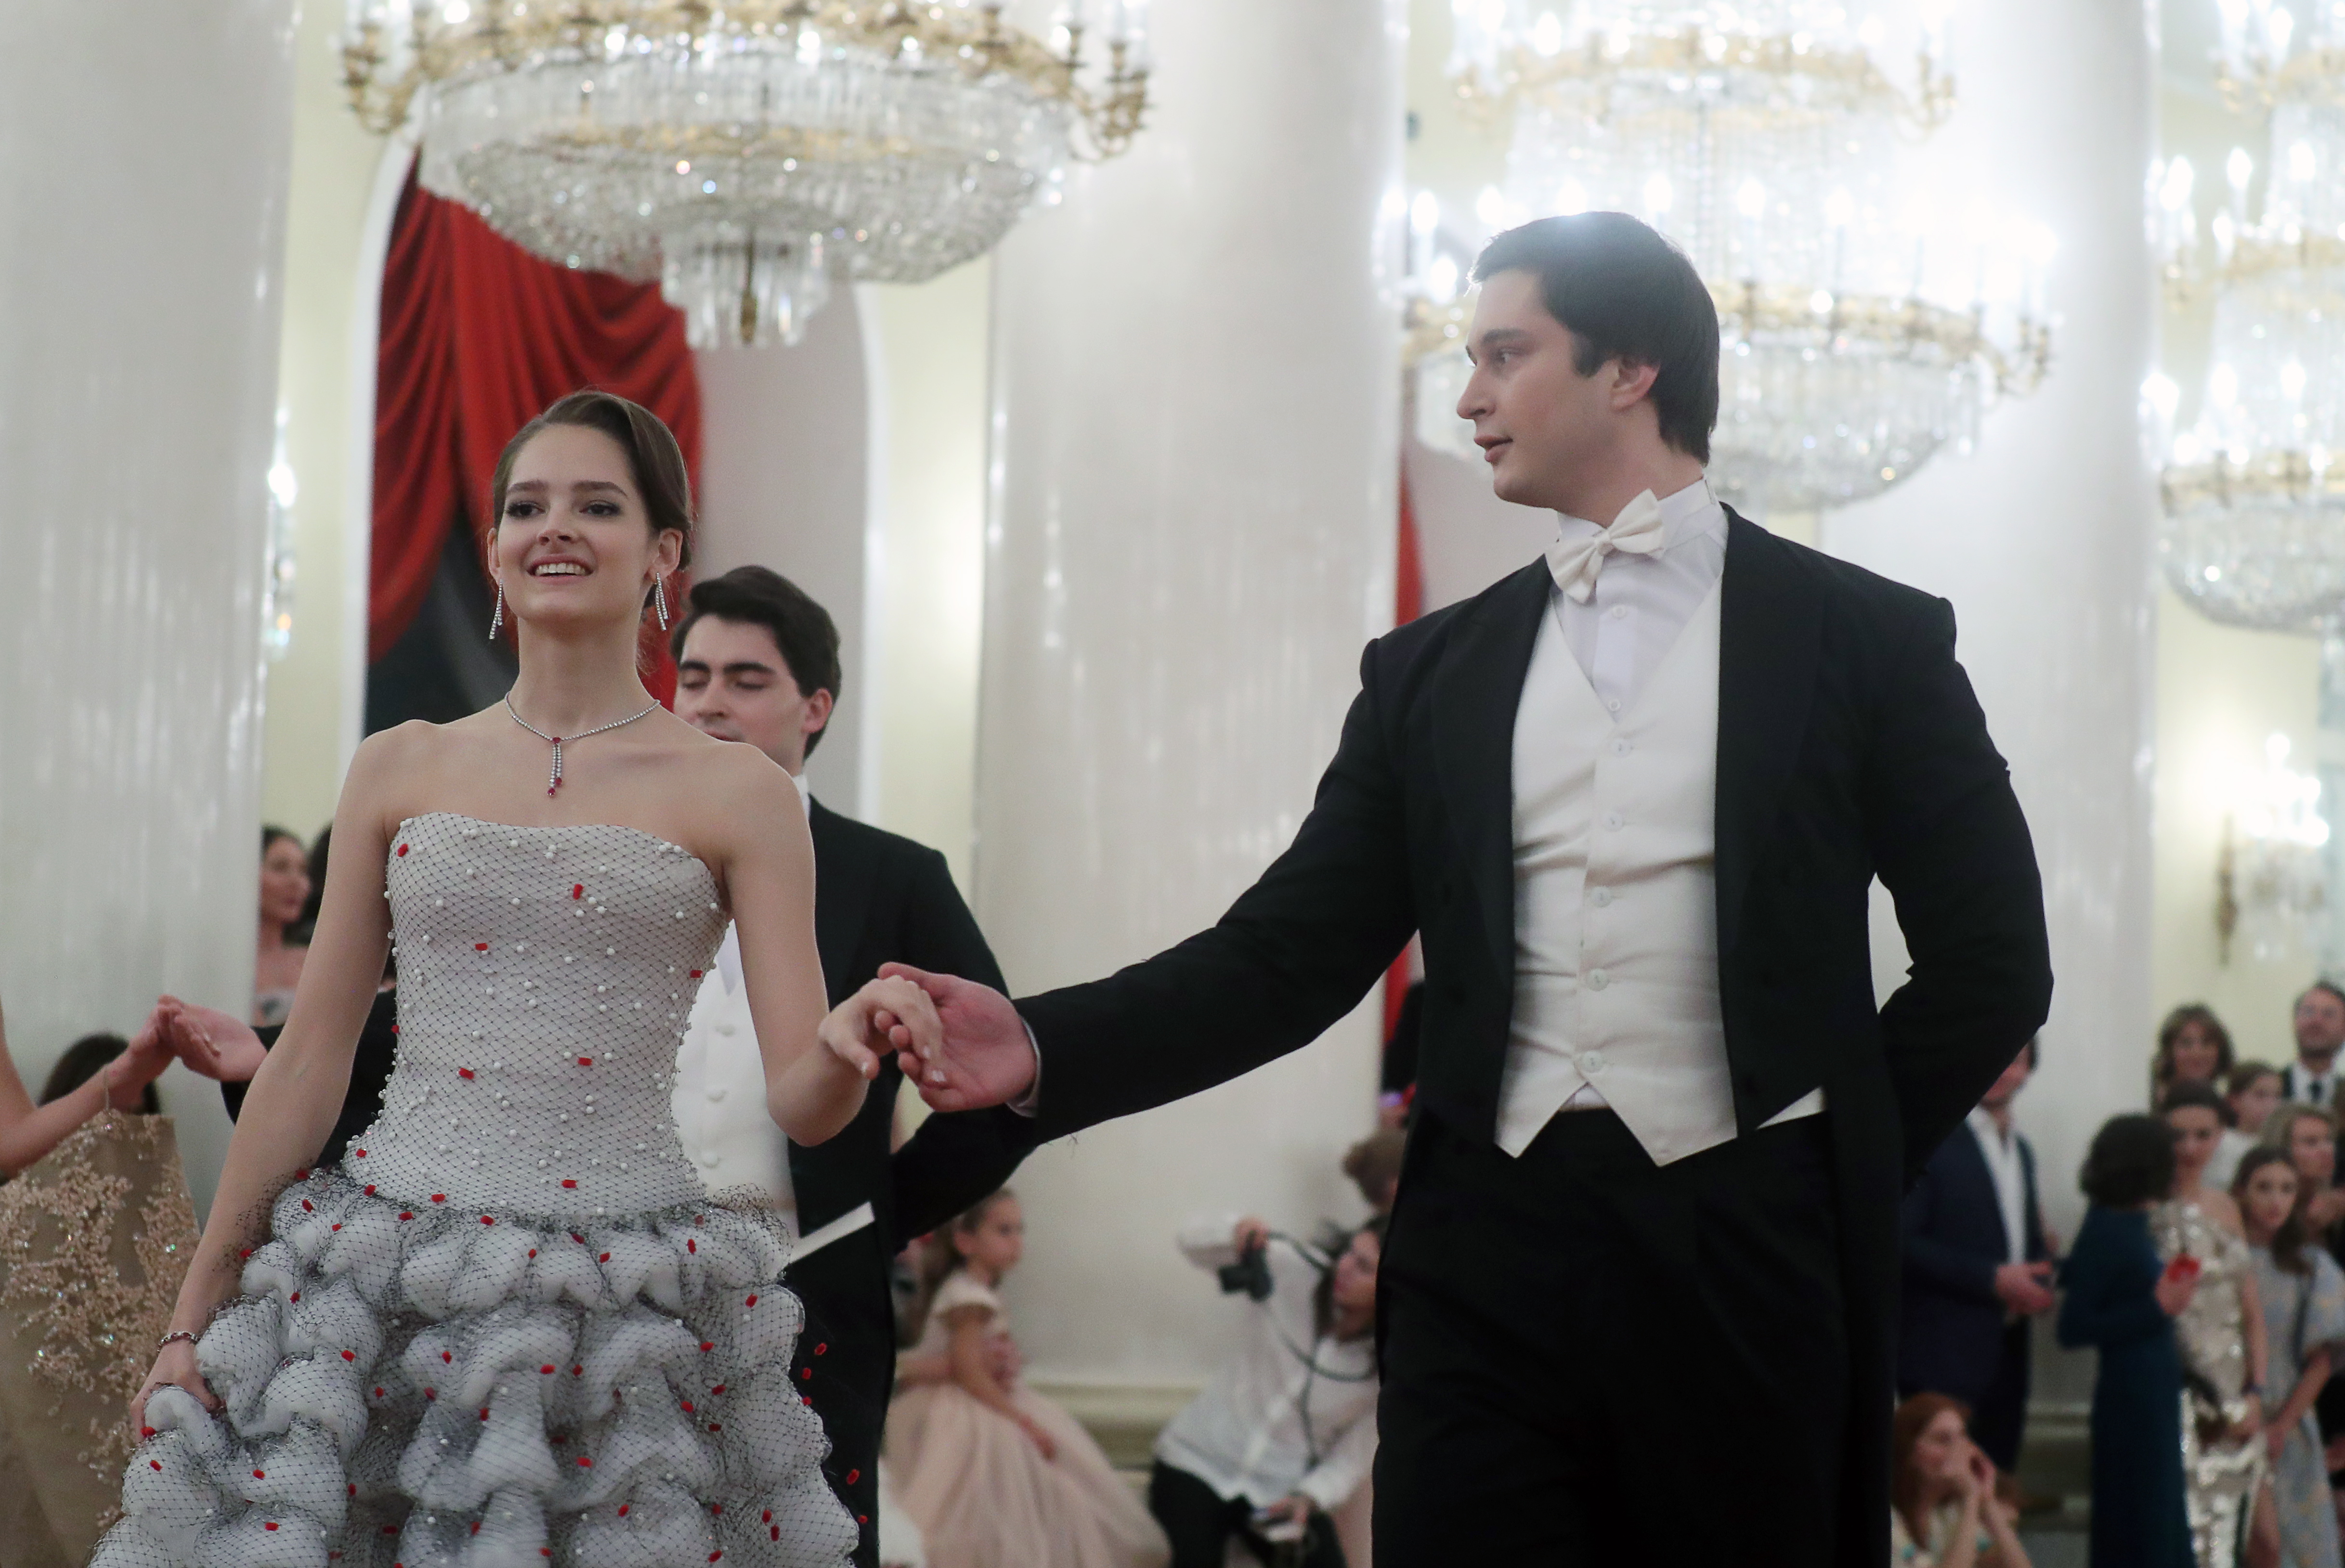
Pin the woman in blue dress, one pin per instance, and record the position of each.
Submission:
(2119, 1298)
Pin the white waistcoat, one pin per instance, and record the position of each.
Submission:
(720, 1092)
(1616, 906)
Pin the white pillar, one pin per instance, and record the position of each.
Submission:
(144, 179)
(1190, 533)
(2041, 539)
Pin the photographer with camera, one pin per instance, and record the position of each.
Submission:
(1287, 1430)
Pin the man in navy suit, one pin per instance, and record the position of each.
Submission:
(1977, 1268)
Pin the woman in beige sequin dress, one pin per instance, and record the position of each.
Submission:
(95, 1231)
(2220, 1336)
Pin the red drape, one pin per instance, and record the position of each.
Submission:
(1408, 603)
(478, 336)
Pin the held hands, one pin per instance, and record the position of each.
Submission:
(970, 1051)
(887, 1016)
(2024, 1288)
(2249, 1424)
(127, 1075)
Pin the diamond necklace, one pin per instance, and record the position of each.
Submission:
(553, 780)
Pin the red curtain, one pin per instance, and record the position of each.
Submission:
(478, 336)
(1408, 603)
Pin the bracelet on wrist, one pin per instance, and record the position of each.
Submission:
(173, 1337)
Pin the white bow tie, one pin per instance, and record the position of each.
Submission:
(1576, 562)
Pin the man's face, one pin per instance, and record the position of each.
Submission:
(2319, 1025)
(1538, 422)
(732, 682)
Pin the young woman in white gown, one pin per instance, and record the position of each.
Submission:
(510, 1329)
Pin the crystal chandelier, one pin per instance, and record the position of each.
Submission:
(1766, 141)
(747, 156)
(2254, 526)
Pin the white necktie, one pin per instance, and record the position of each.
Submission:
(1576, 562)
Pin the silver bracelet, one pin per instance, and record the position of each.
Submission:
(167, 1340)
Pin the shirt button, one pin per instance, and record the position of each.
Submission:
(1601, 897)
(1611, 704)
(1612, 821)
(1619, 612)
(1597, 979)
(727, 1030)
(1621, 748)
(1592, 1063)
(716, 1093)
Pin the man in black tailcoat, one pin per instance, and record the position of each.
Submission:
(1637, 1298)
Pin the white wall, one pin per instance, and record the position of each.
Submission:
(144, 179)
(785, 483)
(2042, 540)
(1190, 532)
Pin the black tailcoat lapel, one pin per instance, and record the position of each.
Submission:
(1770, 620)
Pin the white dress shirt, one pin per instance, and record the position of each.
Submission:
(1293, 1410)
(2009, 1172)
(1615, 850)
(721, 1115)
(2298, 1083)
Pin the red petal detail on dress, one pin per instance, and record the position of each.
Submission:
(361, 1154)
(778, 1529)
(532, 1252)
(690, 1245)
(819, 1349)
(465, 1073)
(403, 849)
(336, 1226)
(604, 1257)
(294, 1297)
(578, 1371)
(716, 1508)
(480, 946)
(308, 1206)
(301, 1175)
(370, 1189)
(805, 1374)
(154, 1464)
(687, 1408)
(431, 1394)
(573, 1182)
(547, 1369)
(706, 1346)
(447, 1358)
(349, 1355)
(377, 1393)
(696, 974)
(852, 1476)
(271, 1525)
(439, 1198)
(260, 1475)
(407, 1214)
(586, 1463)
(577, 890)
(717, 1389)
(146, 1431)
(586, 1061)
(750, 1302)
(488, 1219)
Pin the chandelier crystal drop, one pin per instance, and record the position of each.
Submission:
(2254, 501)
(1768, 140)
(747, 156)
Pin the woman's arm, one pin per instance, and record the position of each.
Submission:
(27, 1132)
(768, 863)
(2300, 1399)
(297, 1091)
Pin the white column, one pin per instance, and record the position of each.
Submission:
(2041, 541)
(1190, 532)
(144, 179)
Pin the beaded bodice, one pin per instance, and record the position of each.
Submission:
(545, 977)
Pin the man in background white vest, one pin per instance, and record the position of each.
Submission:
(1637, 1300)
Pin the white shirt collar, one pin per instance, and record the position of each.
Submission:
(1692, 512)
(806, 796)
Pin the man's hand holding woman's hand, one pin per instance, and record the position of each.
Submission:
(971, 1050)
(887, 1017)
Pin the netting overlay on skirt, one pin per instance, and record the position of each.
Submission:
(511, 1329)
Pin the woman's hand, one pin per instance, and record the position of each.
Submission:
(127, 1075)
(2247, 1425)
(878, 1022)
(1042, 1439)
(2275, 1439)
(174, 1367)
(214, 1045)
(2173, 1293)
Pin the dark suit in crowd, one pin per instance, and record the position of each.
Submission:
(1954, 1336)
(1569, 1336)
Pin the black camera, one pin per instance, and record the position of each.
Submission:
(1249, 1273)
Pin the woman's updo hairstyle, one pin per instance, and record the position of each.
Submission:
(654, 458)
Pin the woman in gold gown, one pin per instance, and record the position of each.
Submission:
(95, 1231)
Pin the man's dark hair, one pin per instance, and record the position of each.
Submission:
(2131, 1162)
(1626, 293)
(2329, 985)
(803, 630)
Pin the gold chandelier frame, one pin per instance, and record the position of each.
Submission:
(505, 36)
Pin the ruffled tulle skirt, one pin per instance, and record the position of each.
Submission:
(408, 1386)
(984, 1496)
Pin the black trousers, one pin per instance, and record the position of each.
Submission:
(1591, 1359)
(1199, 1522)
(845, 1365)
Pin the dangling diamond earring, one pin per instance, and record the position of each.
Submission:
(497, 621)
(659, 600)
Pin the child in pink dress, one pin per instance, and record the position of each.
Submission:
(995, 1475)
